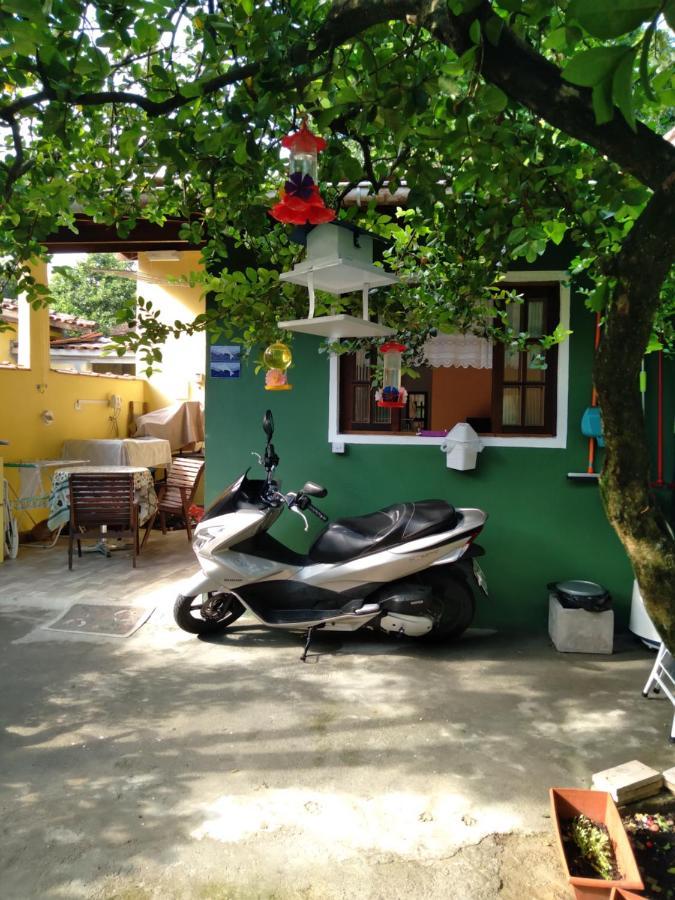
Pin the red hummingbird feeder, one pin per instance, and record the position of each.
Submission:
(301, 203)
(391, 395)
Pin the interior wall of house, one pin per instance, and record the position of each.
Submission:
(542, 527)
(181, 372)
(458, 393)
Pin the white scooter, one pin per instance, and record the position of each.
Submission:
(409, 569)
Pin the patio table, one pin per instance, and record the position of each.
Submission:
(59, 498)
(149, 452)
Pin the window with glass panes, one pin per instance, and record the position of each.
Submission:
(517, 396)
(524, 381)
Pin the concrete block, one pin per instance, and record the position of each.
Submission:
(628, 782)
(579, 631)
(669, 778)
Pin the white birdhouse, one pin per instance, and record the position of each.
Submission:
(461, 445)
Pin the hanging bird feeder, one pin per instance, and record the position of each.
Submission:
(339, 260)
(277, 358)
(339, 257)
(391, 395)
(301, 203)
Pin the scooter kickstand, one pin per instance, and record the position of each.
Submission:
(308, 641)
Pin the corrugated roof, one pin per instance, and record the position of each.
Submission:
(61, 320)
(93, 338)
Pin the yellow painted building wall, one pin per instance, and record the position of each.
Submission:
(27, 391)
(181, 375)
(25, 395)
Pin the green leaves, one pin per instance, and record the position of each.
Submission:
(79, 289)
(609, 72)
(669, 13)
(493, 99)
(590, 67)
(622, 87)
(608, 19)
(490, 184)
(146, 32)
(556, 231)
(597, 299)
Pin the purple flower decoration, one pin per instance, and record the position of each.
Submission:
(300, 186)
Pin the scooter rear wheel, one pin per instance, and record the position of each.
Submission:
(457, 608)
(207, 613)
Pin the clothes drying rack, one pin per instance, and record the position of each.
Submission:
(32, 493)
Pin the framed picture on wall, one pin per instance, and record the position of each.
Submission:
(225, 361)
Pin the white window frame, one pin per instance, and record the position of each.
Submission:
(558, 442)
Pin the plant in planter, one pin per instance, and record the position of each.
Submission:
(602, 858)
(588, 847)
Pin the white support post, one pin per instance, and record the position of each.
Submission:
(310, 289)
(364, 297)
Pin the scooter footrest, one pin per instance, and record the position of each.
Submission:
(311, 617)
(293, 616)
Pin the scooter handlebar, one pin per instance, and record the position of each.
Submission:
(317, 512)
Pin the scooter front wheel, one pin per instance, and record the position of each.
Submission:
(207, 613)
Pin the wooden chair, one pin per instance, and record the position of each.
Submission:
(177, 493)
(102, 499)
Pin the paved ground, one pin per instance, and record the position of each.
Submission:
(162, 766)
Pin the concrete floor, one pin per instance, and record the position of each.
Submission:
(163, 766)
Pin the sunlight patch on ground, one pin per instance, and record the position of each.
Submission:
(398, 822)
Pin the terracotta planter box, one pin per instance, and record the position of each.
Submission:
(566, 803)
(619, 894)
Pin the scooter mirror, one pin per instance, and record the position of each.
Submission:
(314, 490)
(268, 424)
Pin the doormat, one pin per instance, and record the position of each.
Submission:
(90, 618)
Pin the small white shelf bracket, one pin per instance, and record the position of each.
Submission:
(80, 403)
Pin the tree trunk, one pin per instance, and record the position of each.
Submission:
(630, 505)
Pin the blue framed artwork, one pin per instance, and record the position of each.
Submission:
(225, 361)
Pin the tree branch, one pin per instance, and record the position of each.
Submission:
(336, 30)
(514, 66)
(530, 79)
(641, 266)
(19, 166)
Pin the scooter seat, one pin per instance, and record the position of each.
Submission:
(361, 535)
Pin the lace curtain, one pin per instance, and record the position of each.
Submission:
(462, 350)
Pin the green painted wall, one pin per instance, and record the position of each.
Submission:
(542, 527)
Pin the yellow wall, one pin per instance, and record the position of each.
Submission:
(27, 391)
(182, 369)
(24, 395)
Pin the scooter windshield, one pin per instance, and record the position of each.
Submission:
(244, 492)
